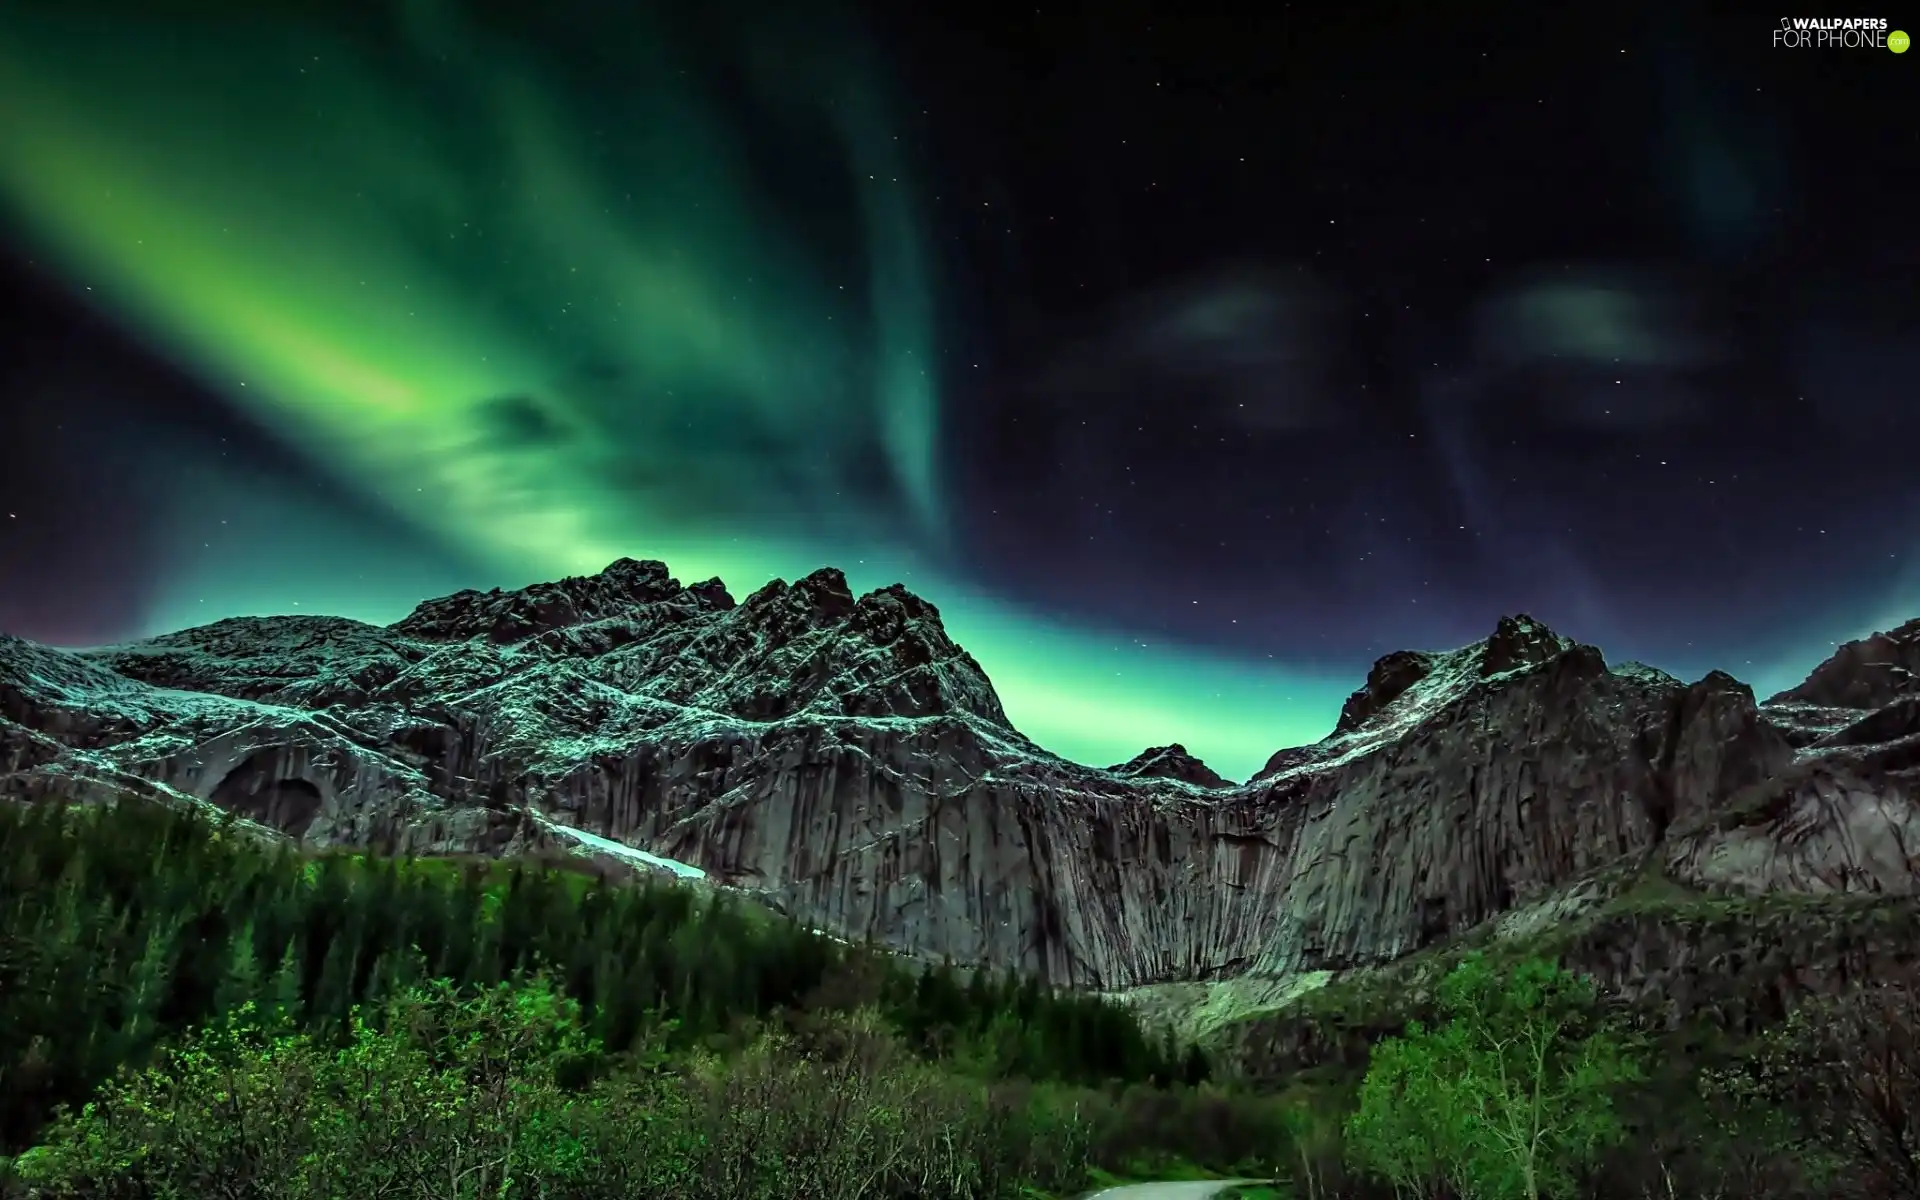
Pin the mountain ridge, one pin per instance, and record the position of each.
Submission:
(844, 758)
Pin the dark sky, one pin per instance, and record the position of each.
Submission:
(1272, 342)
(1709, 438)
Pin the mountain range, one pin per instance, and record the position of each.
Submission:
(841, 758)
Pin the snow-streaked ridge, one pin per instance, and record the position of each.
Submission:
(621, 850)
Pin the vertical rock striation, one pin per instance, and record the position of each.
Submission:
(841, 756)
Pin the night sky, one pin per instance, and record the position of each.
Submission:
(1187, 363)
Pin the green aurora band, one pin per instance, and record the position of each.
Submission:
(549, 326)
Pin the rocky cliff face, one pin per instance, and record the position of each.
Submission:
(843, 757)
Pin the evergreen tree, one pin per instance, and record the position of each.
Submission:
(122, 924)
(146, 989)
(333, 996)
(1195, 1069)
(243, 979)
(283, 1002)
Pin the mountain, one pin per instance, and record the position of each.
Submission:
(844, 759)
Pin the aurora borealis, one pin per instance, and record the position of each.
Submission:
(537, 292)
(546, 351)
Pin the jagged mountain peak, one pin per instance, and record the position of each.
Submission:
(806, 647)
(626, 585)
(1870, 672)
(885, 653)
(1520, 641)
(1170, 762)
(1391, 676)
(1517, 642)
(842, 755)
(815, 601)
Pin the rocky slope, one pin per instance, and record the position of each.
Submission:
(843, 757)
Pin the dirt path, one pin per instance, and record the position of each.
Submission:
(1200, 1190)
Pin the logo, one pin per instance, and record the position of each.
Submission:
(1839, 33)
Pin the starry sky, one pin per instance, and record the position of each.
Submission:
(1189, 363)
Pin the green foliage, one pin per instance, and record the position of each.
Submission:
(1509, 1098)
(122, 925)
(186, 1012)
(438, 1094)
(1745, 1132)
(1314, 1130)
(1838, 1082)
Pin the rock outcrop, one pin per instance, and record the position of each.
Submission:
(845, 759)
(1870, 673)
(1170, 762)
(1682, 961)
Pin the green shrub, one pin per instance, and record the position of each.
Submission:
(1511, 1098)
